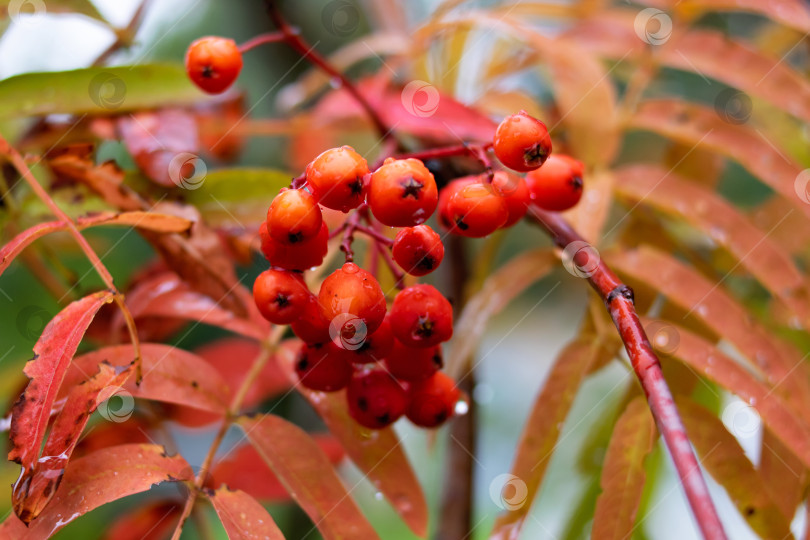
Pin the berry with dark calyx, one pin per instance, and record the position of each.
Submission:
(477, 210)
(280, 295)
(402, 193)
(310, 326)
(301, 255)
(375, 399)
(515, 193)
(421, 317)
(409, 364)
(444, 217)
(522, 142)
(353, 302)
(294, 216)
(418, 250)
(213, 63)
(337, 178)
(373, 348)
(557, 185)
(433, 400)
(319, 368)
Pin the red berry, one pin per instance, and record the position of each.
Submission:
(557, 185)
(515, 194)
(337, 178)
(310, 325)
(421, 317)
(213, 63)
(299, 256)
(444, 218)
(409, 364)
(280, 295)
(433, 400)
(402, 193)
(353, 302)
(418, 250)
(294, 216)
(375, 399)
(522, 142)
(477, 210)
(319, 368)
(373, 348)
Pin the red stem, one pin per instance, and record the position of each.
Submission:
(618, 298)
(377, 236)
(261, 39)
(478, 151)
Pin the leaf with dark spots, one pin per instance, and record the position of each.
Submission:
(97, 479)
(242, 516)
(53, 352)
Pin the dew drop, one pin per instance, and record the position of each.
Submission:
(378, 495)
(461, 408)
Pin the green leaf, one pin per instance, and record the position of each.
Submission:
(237, 196)
(103, 90)
(82, 7)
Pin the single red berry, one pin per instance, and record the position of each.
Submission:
(421, 317)
(402, 193)
(375, 399)
(373, 348)
(310, 325)
(337, 178)
(409, 364)
(299, 256)
(444, 217)
(213, 63)
(515, 194)
(522, 142)
(280, 295)
(418, 250)
(477, 210)
(319, 368)
(352, 301)
(433, 400)
(294, 216)
(557, 185)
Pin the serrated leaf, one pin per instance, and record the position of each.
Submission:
(623, 475)
(785, 475)
(242, 516)
(102, 90)
(723, 457)
(97, 479)
(307, 474)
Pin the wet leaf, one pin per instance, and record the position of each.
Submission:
(783, 473)
(723, 457)
(306, 472)
(243, 517)
(623, 475)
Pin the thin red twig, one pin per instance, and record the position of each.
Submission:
(261, 39)
(618, 298)
(477, 151)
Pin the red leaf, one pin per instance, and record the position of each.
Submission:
(156, 138)
(243, 517)
(52, 354)
(306, 472)
(153, 521)
(99, 478)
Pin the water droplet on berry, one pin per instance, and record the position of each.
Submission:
(350, 268)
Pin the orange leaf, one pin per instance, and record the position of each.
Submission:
(152, 521)
(623, 475)
(243, 517)
(306, 472)
(785, 474)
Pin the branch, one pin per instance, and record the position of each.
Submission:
(618, 299)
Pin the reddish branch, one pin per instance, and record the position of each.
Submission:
(618, 299)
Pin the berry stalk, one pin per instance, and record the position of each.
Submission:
(618, 299)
